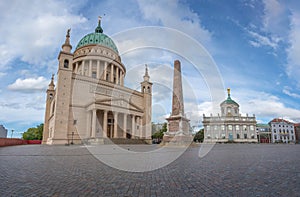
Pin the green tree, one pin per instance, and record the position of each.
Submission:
(34, 133)
(199, 136)
(160, 133)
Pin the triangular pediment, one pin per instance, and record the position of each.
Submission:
(122, 103)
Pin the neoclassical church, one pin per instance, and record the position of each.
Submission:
(90, 102)
(230, 126)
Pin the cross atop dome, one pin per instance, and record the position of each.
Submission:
(99, 28)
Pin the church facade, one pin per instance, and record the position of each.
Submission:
(230, 126)
(90, 101)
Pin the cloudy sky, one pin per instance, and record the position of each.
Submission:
(251, 46)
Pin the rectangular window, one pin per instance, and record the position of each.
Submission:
(237, 136)
(223, 127)
(237, 127)
(245, 135)
(229, 127)
(251, 128)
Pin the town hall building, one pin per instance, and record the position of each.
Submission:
(89, 102)
(230, 126)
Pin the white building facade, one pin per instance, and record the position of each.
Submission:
(230, 126)
(282, 131)
(90, 102)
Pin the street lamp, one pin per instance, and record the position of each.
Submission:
(12, 131)
(72, 137)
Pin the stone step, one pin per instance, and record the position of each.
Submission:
(96, 141)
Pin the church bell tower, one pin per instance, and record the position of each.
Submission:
(146, 87)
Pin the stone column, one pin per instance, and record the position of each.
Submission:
(138, 133)
(76, 67)
(82, 67)
(111, 73)
(90, 68)
(115, 124)
(117, 75)
(105, 123)
(141, 129)
(122, 79)
(98, 69)
(94, 119)
(88, 125)
(133, 126)
(124, 125)
(105, 71)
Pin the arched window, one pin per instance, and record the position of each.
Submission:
(149, 91)
(66, 63)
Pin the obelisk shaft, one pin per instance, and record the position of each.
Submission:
(177, 100)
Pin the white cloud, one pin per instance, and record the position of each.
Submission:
(176, 15)
(287, 90)
(293, 59)
(22, 109)
(2, 74)
(262, 40)
(254, 43)
(265, 105)
(31, 30)
(29, 85)
(274, 17)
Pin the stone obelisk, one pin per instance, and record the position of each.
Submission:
(178, 124)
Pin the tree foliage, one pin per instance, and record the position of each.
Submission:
(34, 133)
(199, 136)
(160, 133)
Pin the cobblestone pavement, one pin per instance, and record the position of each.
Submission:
(227, 170)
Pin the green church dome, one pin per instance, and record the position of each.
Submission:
(97, 38)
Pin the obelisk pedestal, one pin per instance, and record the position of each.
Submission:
(178, 124)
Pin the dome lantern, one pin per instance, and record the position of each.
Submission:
(99, 28)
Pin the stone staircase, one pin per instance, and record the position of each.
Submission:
(97, 141)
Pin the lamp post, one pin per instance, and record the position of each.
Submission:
(72, 138)
(12, 131)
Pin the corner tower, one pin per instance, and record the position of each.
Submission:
(50, 96)
(62, 97)
(146, 89)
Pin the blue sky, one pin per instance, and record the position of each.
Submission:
(255, 46)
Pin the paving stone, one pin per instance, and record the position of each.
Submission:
(227, 170)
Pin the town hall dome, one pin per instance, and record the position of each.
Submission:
(229, 100)
(98, 38)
